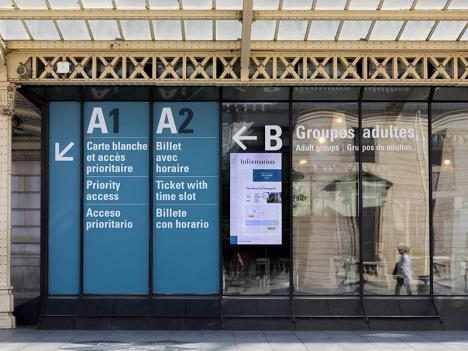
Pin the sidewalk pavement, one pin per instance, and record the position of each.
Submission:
(27, 339)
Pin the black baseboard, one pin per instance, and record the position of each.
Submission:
(254, 313)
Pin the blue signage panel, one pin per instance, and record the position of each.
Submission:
(64, 198)
(186, 198)
(116, 199)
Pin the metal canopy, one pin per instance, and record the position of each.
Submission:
(227, 41)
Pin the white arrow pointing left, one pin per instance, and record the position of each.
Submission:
(60, 155)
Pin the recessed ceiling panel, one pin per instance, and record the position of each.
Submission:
(73, 29)
(105, 29)
(263, 30)
(229, 4)
(164, 4)
(5, 4)
(64, 4)
(97, 4)
(292, 30)
(458, 4)
(323, 30)
(136, 29)
(228, 30)
(354, 30)
(167, 30)
(297, 4)
(397, 4)
(31, 4)
(130, 4)
(430, 4)
(417, 30)
(197, 4)
(448, 30)
(198, 30)
(330, 4)
(363, 4)
(386, 30)
(265, 4)
(13, 30)
(42, 30)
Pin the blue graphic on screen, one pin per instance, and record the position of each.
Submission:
(116, 199)
(186, 198)
(64, 198)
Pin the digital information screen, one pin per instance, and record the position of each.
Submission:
(255, 203)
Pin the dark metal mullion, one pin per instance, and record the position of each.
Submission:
(82, 142)
(289, 183)
(44, 240)
(429, 160)
(360, 218)
(220, 199)
(151, 195)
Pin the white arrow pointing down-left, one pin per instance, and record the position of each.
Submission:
(60, 155)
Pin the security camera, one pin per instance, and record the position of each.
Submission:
(22, 70)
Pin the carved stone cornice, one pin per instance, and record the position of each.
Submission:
(7, 98)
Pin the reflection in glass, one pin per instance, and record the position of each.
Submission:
(395, 188)
(325, 184)
(254, 269)
(450, 198)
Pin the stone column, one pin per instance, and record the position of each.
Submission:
(7, 104)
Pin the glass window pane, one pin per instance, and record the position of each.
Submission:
(64, 4)
(197, 4)
(164, 4)
(397, 4)
(167, 30)
(229, 4)
(323, 30)
(330, 5)
(450, 198)
(395, 199)
(89, 4)
(256, 94)
(265, 4)
(364, 4)
(130, 4)
(430, 4)
(42, 30)
(448, 30)
(136, 29)
(228, 30)
(354, 30)
(73, 29)
(465, 36)
(186, 93)
(105, 29)
(458, 4)
(325, 193)
(198, 30)
(31, 4)
(292, 30)
(386, 30)
(451, 94)
(297, 4)
(6, 4)
(255, 269)
(13, 30)
(396, 93)
(263, 30)
(417, 30)
(326, 93)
